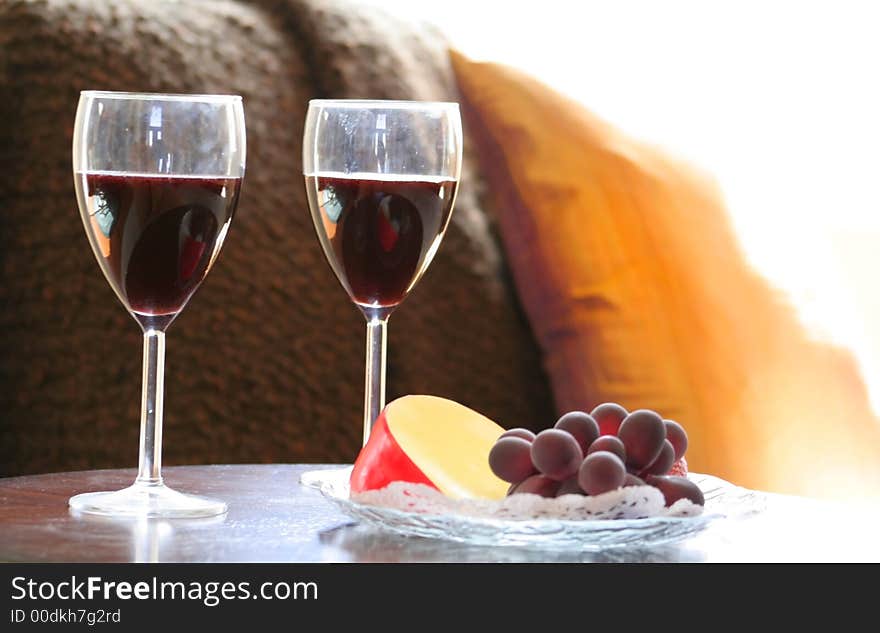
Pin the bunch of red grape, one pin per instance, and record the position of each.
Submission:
(592, 453)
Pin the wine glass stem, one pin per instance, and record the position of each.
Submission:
(374, 400)
(152, 401)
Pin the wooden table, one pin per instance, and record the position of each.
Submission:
(273, 518)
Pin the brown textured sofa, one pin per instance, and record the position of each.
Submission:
(266, 363)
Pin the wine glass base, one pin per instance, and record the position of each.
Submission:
(316, 478)
(146, 501)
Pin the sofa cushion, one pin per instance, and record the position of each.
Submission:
(266, 362)
(638, 292)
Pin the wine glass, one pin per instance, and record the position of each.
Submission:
(157, 181)
(381, 178)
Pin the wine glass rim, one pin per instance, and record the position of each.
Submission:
(159, 96)
(383, 103)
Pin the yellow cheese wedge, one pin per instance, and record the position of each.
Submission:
(434, 441)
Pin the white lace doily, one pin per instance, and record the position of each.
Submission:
(422, 511)
(636, 502)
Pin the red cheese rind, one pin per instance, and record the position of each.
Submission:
(382, 461)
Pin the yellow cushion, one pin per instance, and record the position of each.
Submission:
(638, 292)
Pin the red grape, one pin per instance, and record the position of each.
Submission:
(632, 480)
(536, 485)
(570, 487)
(510, 459)
(556, 454)
(664, 461)
(581, 425)
(642, 433)
(609, 443)
(679, 468)
(609, 416)
(675, 488)
(678, 437)
(519, 432)
(600, 472)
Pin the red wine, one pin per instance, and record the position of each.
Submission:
(380, 232)
(156, 237)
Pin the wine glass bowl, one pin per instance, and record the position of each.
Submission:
(170, 231)
(380, 234)
(157, 179)
(381, 179)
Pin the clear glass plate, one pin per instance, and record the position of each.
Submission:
(723, 500)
